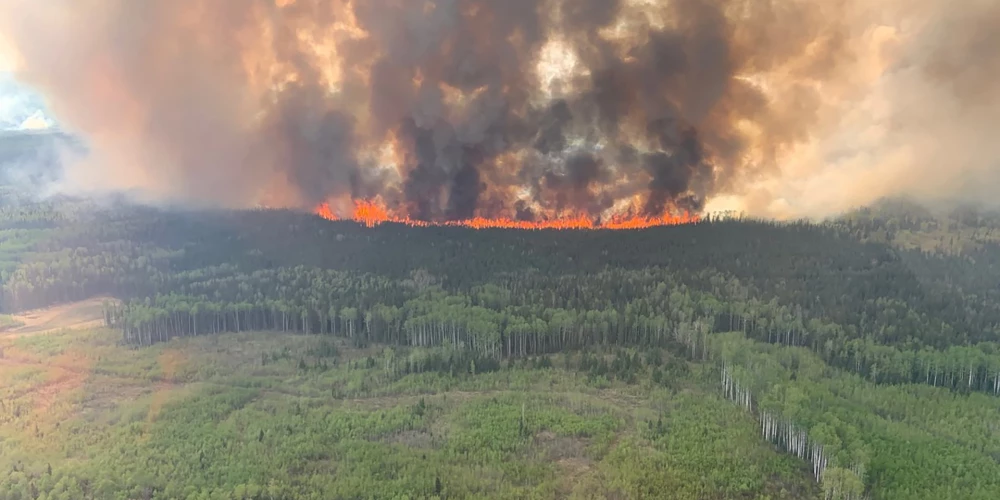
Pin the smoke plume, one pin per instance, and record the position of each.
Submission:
(450, 109)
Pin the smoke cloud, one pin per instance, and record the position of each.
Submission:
(449, 109)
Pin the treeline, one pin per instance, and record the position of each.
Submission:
(487, 321)
(845, 482)
(170, 290)
(892, 441)
(820, 269)
(527, 314)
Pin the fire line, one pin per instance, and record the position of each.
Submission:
(370, 214)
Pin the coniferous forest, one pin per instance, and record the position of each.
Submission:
(731, 358)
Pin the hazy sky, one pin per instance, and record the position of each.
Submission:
(6, 56)
(21, 108)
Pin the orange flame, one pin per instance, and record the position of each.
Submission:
(323, 210)
(370, 213)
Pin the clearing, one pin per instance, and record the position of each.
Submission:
(66, 372)
(84, 314)
(306, 412)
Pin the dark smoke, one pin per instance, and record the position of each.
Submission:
(230, 100)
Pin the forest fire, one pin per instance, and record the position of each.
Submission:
(370, 214)
(463, 109)
(576, 109)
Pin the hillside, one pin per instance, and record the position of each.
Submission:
(863, 357)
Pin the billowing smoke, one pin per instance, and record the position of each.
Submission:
(449, 109)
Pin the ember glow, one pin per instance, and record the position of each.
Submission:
(371, 213)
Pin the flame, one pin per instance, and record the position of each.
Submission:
(325, 212)
(371, 213)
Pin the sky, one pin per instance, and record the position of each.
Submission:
(21, 108)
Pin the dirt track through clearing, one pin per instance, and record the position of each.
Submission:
(169, 361)
(84, 314)
(67, 372)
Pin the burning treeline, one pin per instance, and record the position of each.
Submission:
(590, 112)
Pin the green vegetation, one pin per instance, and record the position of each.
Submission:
(7, 322)
(858, 358)
(294, 416)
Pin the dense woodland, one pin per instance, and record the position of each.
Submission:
(801, 324)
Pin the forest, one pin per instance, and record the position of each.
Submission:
(857, 357)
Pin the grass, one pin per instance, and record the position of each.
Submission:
(265, 415)
(7, 322)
